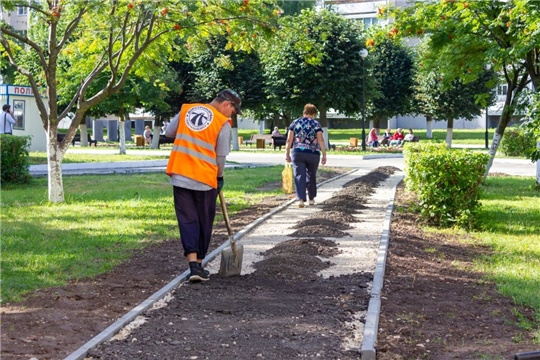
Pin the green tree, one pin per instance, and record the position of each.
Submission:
(219, 67)
(172, 95)
(455, 100)
(77, 42)
(393, 69)
(315, 59)
(464, 36)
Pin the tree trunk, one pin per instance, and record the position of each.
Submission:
(234, 133)
(234, 138)
(538, 167)
(122, 137)
(84, 134)
(449, 132)
(155, 139)
(429, 126)
(54, 166)
(323, 120)
(508, 110)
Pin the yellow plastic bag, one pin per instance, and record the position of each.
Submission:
(287, 179)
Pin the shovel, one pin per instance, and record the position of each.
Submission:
(231, 257)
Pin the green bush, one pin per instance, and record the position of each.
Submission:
(446, 182)
(516, 143)
(14, 159)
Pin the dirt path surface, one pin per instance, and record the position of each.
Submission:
(304, 291)
(299, 298)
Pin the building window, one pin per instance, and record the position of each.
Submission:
(18, 111)
(22, 10)
(369, 22)
(502, 89)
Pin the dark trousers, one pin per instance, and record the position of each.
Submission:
(195, 212)
(305, 167)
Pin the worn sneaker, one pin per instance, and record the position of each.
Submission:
(300, 203)
(199, 275)
(311, 202)
(205, 271)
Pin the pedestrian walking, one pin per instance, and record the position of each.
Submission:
(202, 141)
(305, 139)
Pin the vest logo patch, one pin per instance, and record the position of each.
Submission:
(199, 118)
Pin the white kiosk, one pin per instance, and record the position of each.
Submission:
(27, 120)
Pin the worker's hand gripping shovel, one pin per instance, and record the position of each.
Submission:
(231, 257)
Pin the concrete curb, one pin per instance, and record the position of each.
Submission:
(134, 167)
(382, 156)
(374, 307)
(118, 325)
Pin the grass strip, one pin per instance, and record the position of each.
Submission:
(510, 224)
(102, 220)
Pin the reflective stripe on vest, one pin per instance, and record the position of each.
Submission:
(193, 154)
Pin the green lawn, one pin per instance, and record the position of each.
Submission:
(103, 218)
(40, 158)
(510, 224)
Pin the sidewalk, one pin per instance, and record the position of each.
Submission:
(515, 167)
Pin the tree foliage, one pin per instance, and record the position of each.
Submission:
(463, 36)
(315, 59)
(81, 42)
(393, 69)
(219, 67)
(457, 99)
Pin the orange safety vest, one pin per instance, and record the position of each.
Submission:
(194, 151)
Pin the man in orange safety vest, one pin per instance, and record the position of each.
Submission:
(202, 135)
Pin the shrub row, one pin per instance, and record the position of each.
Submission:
(14, 163)
(516, 143)
(446, 182)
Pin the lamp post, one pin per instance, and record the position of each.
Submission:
(363, 54)
(487, 142)
(488, 67)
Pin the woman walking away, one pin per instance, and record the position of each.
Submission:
(305, 138)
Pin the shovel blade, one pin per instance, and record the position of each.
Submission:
(231, 261)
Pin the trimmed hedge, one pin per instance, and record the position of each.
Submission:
(446, 182)
(14, 163)
(516, 143)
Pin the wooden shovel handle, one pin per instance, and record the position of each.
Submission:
(225, 214)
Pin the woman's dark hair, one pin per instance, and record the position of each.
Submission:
(6, 107)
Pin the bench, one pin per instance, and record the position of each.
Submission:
(60, 137)
(279, 141)
(416, 138)
(165, 140)
(253, 140)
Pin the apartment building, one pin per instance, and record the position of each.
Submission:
(17, 18)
